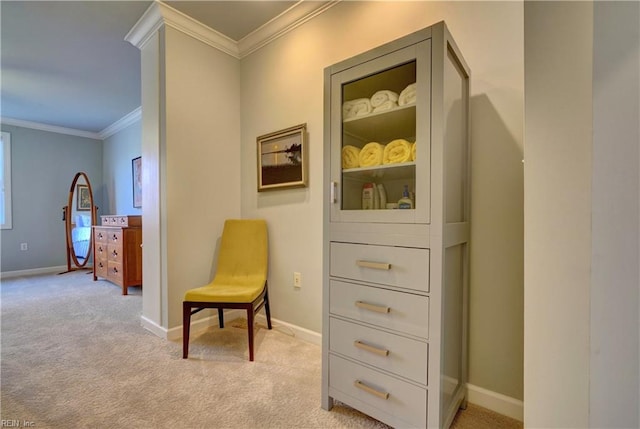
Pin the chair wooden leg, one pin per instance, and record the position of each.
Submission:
(186, 325)
(267, 310)
(250, 330)
(220, 318)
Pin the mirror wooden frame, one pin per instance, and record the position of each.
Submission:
(72, 259)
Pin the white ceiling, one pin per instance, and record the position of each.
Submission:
(66, 63)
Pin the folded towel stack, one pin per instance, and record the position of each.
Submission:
(413, 151)
(384, 100)
(397, 151)
(408, 95)
(350, 157)
(357, 107)
(371, 154)
(387, 105)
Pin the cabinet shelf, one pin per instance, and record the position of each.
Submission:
(383, 126)
(383, 112)
(388, 171)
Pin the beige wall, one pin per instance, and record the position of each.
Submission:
(203, 160)
(192, 159)
(282, 85)
(558, 80)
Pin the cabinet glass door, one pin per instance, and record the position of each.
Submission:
(380, 123)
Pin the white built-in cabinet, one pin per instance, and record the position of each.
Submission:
(395, 281)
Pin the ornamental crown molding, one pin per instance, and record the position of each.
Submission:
(122, 123)
(159, 13)
(49, 128)
(288, 20)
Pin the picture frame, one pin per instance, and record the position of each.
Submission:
(136, 179)
(282, 159)
(83, 201)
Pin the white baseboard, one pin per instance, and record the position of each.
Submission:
(153, 327)
(497, 402)
(293, 330)
(199, 325)
(202, 324)
(33, 271)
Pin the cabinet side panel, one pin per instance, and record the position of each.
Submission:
(455, 140)
(134, 257)
(452, 343)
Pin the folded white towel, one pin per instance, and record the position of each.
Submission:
(381, 97)
(387, 105)
(357, 107)
(408, 95)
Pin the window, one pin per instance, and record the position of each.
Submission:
(5, 177)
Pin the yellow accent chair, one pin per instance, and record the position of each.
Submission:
(240, 280)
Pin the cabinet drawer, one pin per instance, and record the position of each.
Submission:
(395, 266)
(101, 234)
(101, 252)
(408, 313)
(114, 272)
(115, 237)
(101, 267)
(405, 401)
(114, 253)
(399, 355)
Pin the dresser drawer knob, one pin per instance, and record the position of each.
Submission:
(114, 238)
(371, 349)
(373, 307)
(114, 253)
(371, 390)
(374, 265)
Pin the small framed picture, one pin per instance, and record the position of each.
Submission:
(136, 173)
(282, 159)
(83, 202)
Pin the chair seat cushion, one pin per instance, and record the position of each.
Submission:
(220, 291)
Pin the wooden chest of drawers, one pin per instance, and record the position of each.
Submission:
(117, 251)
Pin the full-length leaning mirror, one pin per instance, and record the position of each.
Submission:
(79, 215)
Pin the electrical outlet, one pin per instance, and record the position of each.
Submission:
(297, 279)
(23, 246)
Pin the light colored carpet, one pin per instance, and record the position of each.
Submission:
(74, 355)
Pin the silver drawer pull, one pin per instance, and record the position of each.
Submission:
(371, 349)
(374, 265)
(371, 390)
(372, 307)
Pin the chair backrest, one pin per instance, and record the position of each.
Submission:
(243, 255)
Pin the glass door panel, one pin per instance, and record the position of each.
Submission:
(375, 127)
